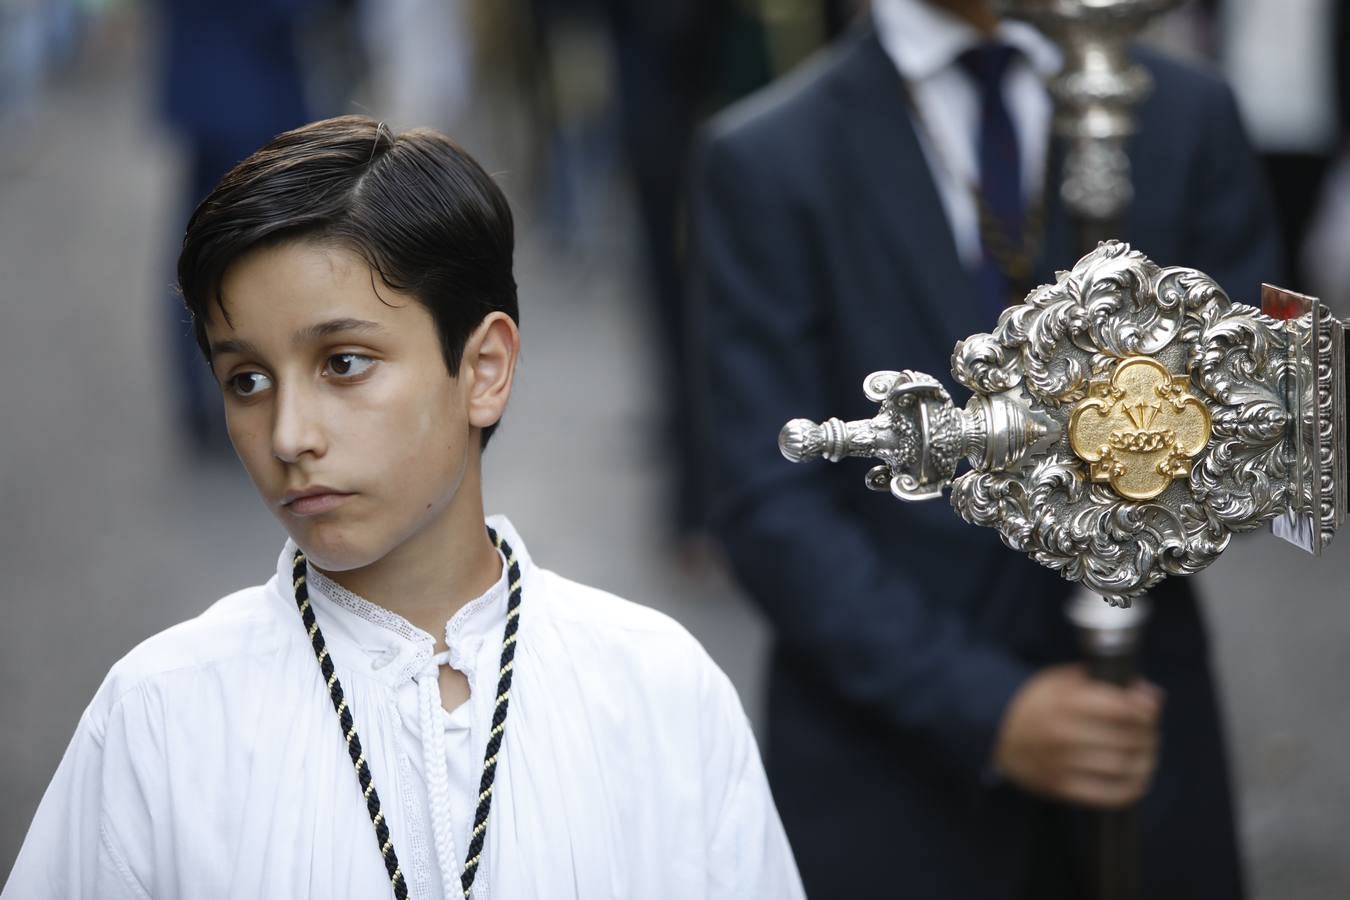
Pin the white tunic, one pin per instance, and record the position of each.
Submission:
(211, 765)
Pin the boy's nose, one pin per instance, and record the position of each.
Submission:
(297, 430)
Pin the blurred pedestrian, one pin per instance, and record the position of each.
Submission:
(665, 83)
(1288, 64)
(230, 77)
(36, 37)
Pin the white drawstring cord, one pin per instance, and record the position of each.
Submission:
(438, 775)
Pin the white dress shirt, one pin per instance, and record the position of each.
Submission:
(211, 765)
(924, 43)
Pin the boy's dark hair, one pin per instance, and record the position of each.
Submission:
(424, 216)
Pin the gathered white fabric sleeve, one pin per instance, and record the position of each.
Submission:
(91, 838)
(748, 852)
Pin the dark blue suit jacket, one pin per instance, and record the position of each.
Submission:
(821, 253)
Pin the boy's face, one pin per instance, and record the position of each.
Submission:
(341, 407)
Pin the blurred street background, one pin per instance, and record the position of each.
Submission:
(123, 512)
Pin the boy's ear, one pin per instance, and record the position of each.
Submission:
(489, 367)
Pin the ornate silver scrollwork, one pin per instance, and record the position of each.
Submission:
(1126, 421)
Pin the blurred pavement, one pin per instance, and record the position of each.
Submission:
(109, 534)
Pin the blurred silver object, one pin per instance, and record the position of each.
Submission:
(1095, 94)
(1125, 422)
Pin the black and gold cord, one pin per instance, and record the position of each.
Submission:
(480, 818)
(358, 756)
(348, 729)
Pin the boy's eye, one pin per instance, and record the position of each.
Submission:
(349, 364)
(247, 384)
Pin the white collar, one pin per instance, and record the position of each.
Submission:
(922, 39)
(398, 646)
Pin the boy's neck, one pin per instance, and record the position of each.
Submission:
(979, 14)
(432, 575)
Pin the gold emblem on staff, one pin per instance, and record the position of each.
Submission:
(1139, 428)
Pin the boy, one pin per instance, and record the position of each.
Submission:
(410, 707)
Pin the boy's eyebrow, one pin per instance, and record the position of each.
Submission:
(310, 333)
(334, 326)
(243, 348)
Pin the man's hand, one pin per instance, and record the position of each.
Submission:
(1071, 738)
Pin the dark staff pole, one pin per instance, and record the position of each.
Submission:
(1109, 637)
(1095, 95)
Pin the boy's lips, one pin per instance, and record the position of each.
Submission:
(313, 500)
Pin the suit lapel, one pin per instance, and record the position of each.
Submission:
(897, 192)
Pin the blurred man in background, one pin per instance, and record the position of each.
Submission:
(672, 62)
(1292, 91)
(929, 734)
(230, 79)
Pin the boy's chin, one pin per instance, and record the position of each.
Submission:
(337, 555)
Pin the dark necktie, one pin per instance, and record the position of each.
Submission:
(1000, 206)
